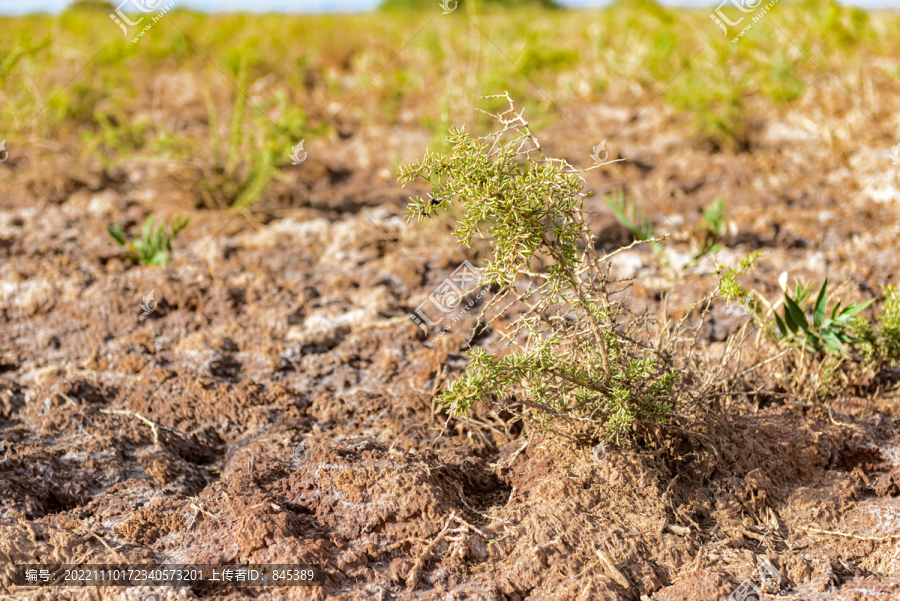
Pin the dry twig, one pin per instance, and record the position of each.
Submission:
(848, 535)
(413, 578)
(611, 568)
(153, 425)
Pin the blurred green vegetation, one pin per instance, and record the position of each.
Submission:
(99, 5)
(428, 5)
(309, 76)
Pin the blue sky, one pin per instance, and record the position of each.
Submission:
(15, 7)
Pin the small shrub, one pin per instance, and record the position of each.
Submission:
(574, 358)
(155, 244)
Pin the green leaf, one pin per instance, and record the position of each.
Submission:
(791, 324)
(796, 313)
(710, 249)
(803, 293)
(644, 231)
(147, 230)
(833, 343)
(116, 232)
(821, 300)
(714, 215)
(845, 337)
(854, 309)
(180, 224)
(780, 324)
(814, 341)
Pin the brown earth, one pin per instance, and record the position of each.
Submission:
(169, 437)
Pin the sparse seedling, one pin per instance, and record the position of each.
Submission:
(714, 218)
(709, 231)
(637, 223)
(818, 331)
(155, 244)
(840, 348)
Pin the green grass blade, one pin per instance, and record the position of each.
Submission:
(854, 309)
(115, 231)
(180, 224)
(819, 312)
(621, 214)
(147, 230)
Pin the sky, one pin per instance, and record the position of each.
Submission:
(16, 7)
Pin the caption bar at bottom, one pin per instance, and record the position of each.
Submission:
(168, 575)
